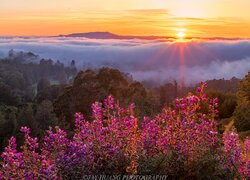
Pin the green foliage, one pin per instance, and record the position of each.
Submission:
(223, 123)
(26, 95)
(44, 115)
(227, 102)
(90, 86)
(242, 111)
(7, 96)
(39, 94)
(244, 134)
(228, 86)
(168, 92)
(8, 124)
(43, 84)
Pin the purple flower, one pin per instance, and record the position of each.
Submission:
(25, 130)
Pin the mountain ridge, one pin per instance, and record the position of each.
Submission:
(109, 35)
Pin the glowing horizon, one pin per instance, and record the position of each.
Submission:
(208, 18)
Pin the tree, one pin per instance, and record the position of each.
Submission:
(227, 102)
(44, 115)
(8, 124)
(43, 85)
(90, 86)
(168, 92)
(7, 97)
(242, 111)
(43, 90)
(26, 116)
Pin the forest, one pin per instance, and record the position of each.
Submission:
(42, 93)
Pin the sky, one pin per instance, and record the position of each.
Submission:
(195, 18)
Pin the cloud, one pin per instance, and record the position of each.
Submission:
(157, 60)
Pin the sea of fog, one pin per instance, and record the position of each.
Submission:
(157, 60)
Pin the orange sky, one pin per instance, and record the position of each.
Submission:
(199, 18)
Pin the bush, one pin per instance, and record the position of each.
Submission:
(182, 143)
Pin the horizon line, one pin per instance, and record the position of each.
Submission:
(131, 36)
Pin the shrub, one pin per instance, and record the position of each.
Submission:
(180, 142)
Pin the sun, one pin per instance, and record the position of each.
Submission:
(180, 34)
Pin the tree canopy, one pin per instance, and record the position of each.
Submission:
(242, 111)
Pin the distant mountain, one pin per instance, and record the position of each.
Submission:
(108, 35)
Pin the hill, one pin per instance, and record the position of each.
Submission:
(108, 35)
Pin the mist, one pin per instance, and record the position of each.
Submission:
(156, 60)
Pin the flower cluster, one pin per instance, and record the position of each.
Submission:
(27, 164)
(177, 142)
(237, 155)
